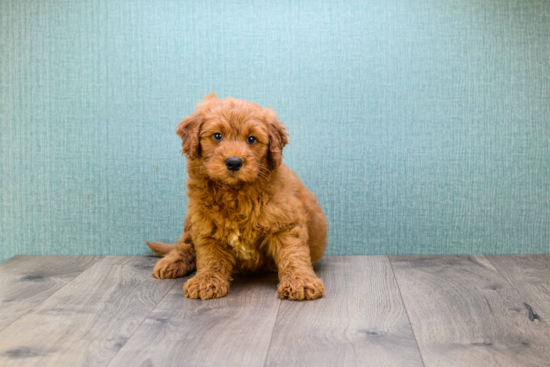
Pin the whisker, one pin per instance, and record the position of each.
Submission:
(267, 175)
(262, 176)
(264, 167)
(196, 168)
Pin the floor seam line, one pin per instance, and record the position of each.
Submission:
(141, 323)
(273, 331)
(406, 311)
(502, 275)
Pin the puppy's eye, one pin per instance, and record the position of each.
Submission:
(217, 137)
(251, 140)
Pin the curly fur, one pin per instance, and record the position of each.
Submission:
(260, 218)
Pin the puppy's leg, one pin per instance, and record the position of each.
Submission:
(214, 267)
(297, 280)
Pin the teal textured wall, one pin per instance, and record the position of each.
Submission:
(422, 125)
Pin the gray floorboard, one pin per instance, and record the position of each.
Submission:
(26, 281)
(530, 275)
(87, 321)
(464, 313)
(437, 310)
(231, 331)
(361, 320)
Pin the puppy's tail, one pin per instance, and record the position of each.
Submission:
(161, 249)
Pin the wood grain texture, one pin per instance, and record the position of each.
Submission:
(26, 281)
(530, 275)
(464, 313)
(360, 321)
(231, 331)
(98, 311)
(87, 321)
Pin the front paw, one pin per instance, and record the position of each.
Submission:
(301, 287)
(174, 265)
(206, 285)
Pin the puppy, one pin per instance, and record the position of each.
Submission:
(247, 210)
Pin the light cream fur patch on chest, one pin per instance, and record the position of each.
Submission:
(241, 251)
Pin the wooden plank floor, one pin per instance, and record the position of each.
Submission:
(463, 311)
(361, 318)
(377, 311)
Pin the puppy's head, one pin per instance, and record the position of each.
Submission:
(232, 140)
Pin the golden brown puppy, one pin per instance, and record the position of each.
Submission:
(247, 211)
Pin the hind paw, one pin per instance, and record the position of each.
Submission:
(174, 265)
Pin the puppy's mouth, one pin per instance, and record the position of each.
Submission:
(232, 175)
(243, 175)
(235, 175)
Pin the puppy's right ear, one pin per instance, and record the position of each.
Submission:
(189, 130)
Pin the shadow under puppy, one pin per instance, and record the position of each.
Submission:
(247, 210)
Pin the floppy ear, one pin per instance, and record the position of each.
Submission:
(278, 138)
(189, 130)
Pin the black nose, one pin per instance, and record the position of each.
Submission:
(234, 163)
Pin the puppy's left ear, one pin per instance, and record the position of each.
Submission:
(278, 138)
